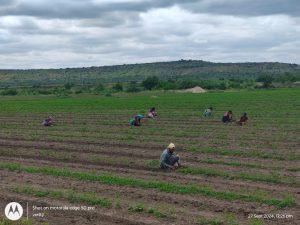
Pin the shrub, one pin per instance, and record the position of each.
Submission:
(150, 83)
(118, 87)
(9, 92)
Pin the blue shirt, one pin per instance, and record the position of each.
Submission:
(164, 158)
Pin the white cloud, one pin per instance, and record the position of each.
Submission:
(141, 31)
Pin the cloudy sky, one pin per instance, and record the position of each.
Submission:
(81, 33)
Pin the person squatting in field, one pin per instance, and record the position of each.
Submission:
(208, 112)
(48, 122)
(243, 119)
(152, 113)
(136, 120)
(227, 117)
(168, 160)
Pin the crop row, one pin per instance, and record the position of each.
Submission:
(148, 184)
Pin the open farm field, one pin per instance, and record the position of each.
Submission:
(92, 157)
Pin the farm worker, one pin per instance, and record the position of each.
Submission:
(208, 112)
(48, 122)
(242, 120)
(152, 113)
(168, 160)
(227, 117)
(136, 120)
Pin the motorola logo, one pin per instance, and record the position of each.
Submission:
(13, 211)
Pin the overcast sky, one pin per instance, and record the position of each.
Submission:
(82, 33)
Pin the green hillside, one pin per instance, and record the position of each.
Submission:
(176, 70)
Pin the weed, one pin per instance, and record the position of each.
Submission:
(139, 207)
(205, 221)
(153, 164)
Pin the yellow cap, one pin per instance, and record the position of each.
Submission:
(171, 146)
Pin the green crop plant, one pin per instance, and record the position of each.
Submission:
(148, 184)
(71, 196)
(254, 221)
(229, 219)
(4, 221)
(157, 213)
(212, 221)
(153, 164)
(138, 207)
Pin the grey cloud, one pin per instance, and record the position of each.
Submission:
(82, 9)
(246, 7)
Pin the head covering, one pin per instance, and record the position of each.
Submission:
(171, 146)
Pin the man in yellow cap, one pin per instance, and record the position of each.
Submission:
(168, 160)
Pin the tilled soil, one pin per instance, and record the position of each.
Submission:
(68, 146)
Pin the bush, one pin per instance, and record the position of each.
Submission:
(118, 87)
(187, 84)
(44, 92)
(133, 87)
(68, 86)
(150, 83)
(266, 79)
(167, 85)
(9, 92)
(99, 88)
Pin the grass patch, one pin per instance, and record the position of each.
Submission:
(71, 196)
(270, 178)
(255, 221)
(4, 221)
(107, 160)
(243, 154)
(204, 171)
(157, 213)
(205, 221)
(236, 164)
(139, 207)
(153, 164)
(295, 169)
(148, 184)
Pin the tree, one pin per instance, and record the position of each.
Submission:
(266, 79)
(68, 86)
(99, 87)
(133, 87)
(150, 82)
(118, 87)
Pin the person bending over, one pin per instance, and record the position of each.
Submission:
(168, 160)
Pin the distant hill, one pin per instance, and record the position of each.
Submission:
(176, 70)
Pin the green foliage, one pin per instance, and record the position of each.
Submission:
(139, 207)
(167, 85)
(157, 213)
(266, 79)
(254, 221)
(99, 88)
(68, 86)
(71, 196)
(204, 171)
(148, 184)
(118, 87)
(153, 164)
(11, 92)
(133, 87)
(230, 219)
(187, 84)
(176, 70)
(205, 221)
(150, 82)
(4, 221)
